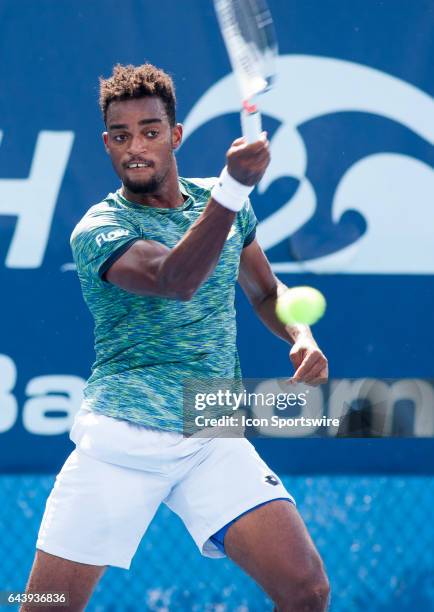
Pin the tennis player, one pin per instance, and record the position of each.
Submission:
(158, 261)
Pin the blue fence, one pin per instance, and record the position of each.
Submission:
(374, 533)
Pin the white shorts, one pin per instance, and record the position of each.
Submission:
(111, 486)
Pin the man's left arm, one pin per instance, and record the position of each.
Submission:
(262, 289)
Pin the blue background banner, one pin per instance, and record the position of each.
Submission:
(346, 205)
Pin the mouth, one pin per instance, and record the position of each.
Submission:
(142, 165)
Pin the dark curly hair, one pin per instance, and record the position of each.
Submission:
(129, 82)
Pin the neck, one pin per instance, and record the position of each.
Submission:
(167, 195)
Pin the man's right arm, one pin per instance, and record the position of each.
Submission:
(151, 268)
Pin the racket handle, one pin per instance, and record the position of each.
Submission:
(251, 125)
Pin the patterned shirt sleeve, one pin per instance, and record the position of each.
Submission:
(247, 217)
(249, 223)
(99, 239)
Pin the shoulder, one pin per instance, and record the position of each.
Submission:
(194, 185)
(107, 212)
(204, 183)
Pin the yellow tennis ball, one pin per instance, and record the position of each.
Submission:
(303, 305)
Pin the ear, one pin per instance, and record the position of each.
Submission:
(105, 141)
(177, 136)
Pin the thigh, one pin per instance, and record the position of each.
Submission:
(272, 545)
(226, 479)
(74, 581)
(97, 512)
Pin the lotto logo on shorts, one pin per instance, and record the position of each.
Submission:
(110, 236)
(271, 479)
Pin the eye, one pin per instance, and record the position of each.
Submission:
(120, 138)
(152, 133)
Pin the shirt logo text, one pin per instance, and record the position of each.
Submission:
(110, 236)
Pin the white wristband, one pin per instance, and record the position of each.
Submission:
(229, 192)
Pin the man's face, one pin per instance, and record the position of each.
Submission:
(140, 142)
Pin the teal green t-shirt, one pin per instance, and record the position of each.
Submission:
(146, 346)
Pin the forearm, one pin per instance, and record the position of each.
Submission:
(266, 311)
(186, 266)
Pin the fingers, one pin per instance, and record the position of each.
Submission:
(321, 379)
(247, 162)
(238, 142)
(245, 157)
(242, 142)
(241, 151)
(312, 370)
(317, 377)
(303, 372)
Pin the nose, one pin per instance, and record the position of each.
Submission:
(137, 145)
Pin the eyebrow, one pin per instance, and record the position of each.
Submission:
(124, 126)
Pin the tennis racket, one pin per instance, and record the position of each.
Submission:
(248, 32)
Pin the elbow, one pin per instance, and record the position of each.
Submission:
(185, 294)
(175, 285)
(261, 298)
(175, 291)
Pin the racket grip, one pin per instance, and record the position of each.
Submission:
(251, 125)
